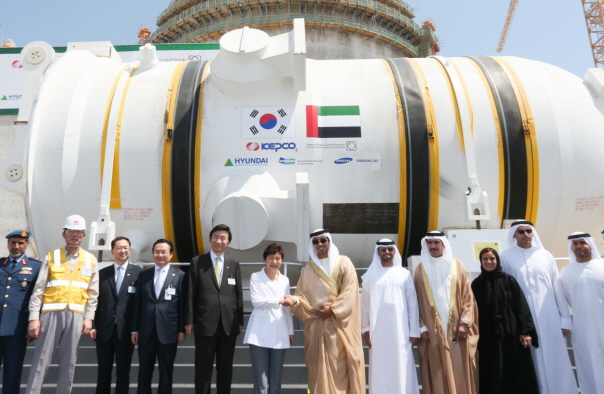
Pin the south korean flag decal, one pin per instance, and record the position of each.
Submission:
(267, 122)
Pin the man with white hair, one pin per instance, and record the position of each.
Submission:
(390, 322)
(536, 272)
(62, 307)
(583, 282)
(327, 301)
(448, 319)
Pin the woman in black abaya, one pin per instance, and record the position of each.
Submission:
(506, 330)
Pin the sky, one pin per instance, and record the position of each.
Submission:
(551, 31)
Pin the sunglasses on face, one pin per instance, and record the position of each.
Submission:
(322, 240)
(386, 249)
(521, 231)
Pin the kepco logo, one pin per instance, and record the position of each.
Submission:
(278, 145)
(253, 146)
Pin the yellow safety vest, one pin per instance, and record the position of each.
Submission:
(66, 288)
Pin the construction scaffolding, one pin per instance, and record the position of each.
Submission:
(388, 22)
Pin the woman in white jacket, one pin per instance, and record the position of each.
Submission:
(270, 330)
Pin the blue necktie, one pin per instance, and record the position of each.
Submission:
(158, 282)
(120, 278)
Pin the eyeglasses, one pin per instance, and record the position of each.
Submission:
(322, 240)
(76, 232)
(122, 249)
(521, 231)
(386, 249)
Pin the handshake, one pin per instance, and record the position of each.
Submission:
(288, 300)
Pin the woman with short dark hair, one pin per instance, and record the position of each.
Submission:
(270, 330)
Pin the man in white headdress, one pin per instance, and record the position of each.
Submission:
(390, 322)
(583, 282)
(448, 320)
(327, 301)
(537, 274)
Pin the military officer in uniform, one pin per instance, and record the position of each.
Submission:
(18, 273)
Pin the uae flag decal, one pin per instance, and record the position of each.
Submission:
(343, 121)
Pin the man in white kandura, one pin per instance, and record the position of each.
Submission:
(537, 274)
(390, 322)
(583, 282)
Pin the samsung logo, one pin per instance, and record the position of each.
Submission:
(343, 160)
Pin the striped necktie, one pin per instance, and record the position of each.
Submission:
(218, 268)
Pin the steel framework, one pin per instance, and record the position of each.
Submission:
(594, 10)
(506, 26)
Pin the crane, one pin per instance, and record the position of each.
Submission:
(506, 26)
(594, 11)
(144, 33)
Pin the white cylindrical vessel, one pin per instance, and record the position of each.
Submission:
(365, 148)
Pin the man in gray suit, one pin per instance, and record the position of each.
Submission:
(158, 318)
(214, 312)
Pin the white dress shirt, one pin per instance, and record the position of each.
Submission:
(271, 323)
(124, 266)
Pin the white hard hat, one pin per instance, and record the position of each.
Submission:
(75, 222)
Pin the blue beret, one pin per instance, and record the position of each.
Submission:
(19, 234)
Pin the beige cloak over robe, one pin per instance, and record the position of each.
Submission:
(333, 348)
(448, 367)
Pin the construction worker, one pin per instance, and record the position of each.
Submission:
(62, 307)
(18, 273)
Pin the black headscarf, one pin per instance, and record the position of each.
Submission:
(502, 308)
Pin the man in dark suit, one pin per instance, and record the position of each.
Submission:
(158, 322)
(214, 312)
(18, 274)
(113, 318)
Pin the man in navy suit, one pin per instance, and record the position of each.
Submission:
(113, 319)
(214, 312)
(158, 322)
(18, 274)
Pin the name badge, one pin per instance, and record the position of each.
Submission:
(131, 289)
(86, 271)
(231, 281)
(170, 291)
(168, 297)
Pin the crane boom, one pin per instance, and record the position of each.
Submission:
(506, 26)
(594, 11)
